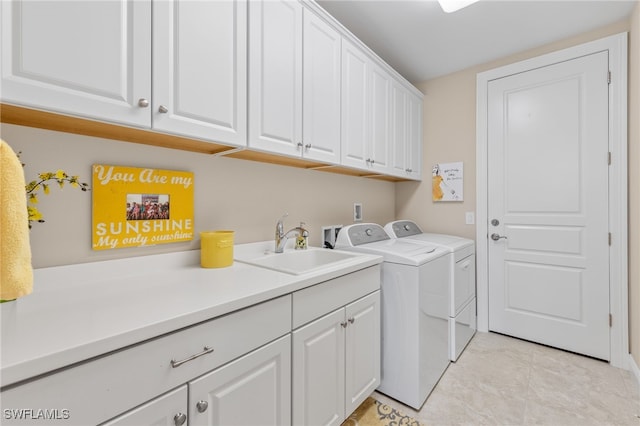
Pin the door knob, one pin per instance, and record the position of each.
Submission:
(496, 237)
(495, 222)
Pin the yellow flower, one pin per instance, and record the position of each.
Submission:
(34, 213)
(60, 174)
(33, 198)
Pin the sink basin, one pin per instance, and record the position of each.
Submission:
(299, 262)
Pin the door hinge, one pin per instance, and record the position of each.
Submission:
(609, 158)
(609, 238)
(609, 77)
(610, 320)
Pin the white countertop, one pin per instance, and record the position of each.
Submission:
(78, 312)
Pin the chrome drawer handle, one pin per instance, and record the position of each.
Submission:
(205, 350)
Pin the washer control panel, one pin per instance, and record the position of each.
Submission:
(366, 233)
(405, 228)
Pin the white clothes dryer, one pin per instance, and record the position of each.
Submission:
(414, 294)
(462, 287)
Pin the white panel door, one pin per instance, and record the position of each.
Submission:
(200, 69)
(355, 109)
(252, 390)
(321, 94)
(169, 409)
(318, 371)
(275, 76)
(548, 195)
(362, 360)
(90, 59)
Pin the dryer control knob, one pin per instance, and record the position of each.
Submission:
(369, 232)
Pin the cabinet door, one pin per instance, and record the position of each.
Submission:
(252, 390)
(90, 59)
(318, 371)
(200, 69)
(275, 76)
(321, 91)
(166, 410)
(414, 138)
(399, 130)
(380, 136)
(355, 111)
(362, 364)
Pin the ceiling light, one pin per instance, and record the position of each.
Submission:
(453, 5)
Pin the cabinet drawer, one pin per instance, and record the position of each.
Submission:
(102, 388)
(315, 301)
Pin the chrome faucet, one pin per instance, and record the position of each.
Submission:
(282, 237)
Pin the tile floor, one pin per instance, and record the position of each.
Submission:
(499, 380)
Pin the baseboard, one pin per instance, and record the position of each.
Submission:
(634, 368)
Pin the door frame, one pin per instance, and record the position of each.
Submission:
(618, 271)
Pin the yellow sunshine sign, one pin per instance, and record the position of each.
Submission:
(135, 207)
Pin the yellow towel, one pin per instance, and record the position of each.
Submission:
(16, 273)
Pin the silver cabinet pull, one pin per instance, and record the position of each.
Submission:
(179, 419)
(143, 103)
(299, 145)
(307, 146)
(202, 406)
(343, 324)
(163, 109)
(351, 320)
(205, 350)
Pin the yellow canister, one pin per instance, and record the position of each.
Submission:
(216, 249)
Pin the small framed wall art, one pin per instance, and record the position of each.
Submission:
(134, 207)
(448, 182)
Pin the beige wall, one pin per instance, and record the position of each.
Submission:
(449, 134)
(634, 185)
(245, 196)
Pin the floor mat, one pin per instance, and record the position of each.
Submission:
(375, 413)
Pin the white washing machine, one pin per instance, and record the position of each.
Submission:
(414, 294)
(462, 294)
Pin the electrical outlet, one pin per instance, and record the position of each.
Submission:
(357, 212)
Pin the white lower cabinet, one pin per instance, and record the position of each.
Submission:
(169, 410)
(252, 390)
(336, 362)
(242, 368)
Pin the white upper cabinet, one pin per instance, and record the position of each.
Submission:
(366, 95)
(414, 125)
(90, 59)
(200, 69)
(275, 76)
(290, 114)
(321, 94)
(406, 133)
(355, 110)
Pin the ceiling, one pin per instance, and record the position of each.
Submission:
(422, 42)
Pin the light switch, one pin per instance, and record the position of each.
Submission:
(469, 218)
